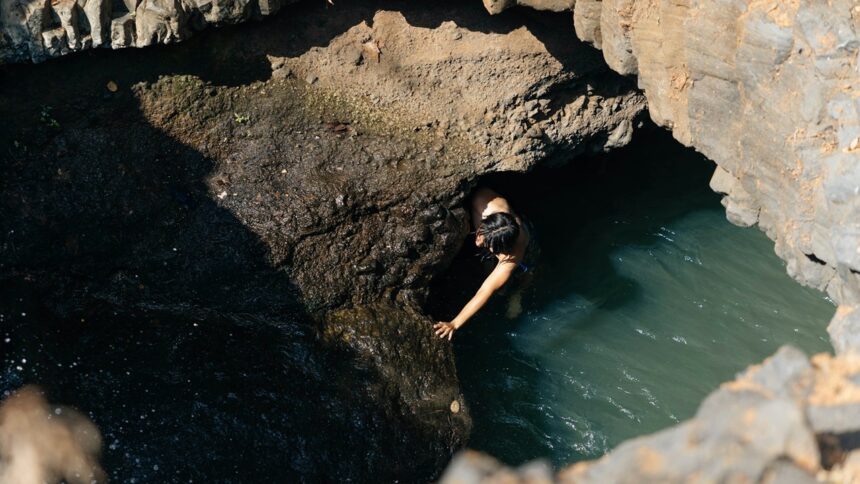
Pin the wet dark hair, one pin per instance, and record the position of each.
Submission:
(500, 231)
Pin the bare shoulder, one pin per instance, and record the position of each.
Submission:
(489, 201)
(483, 196)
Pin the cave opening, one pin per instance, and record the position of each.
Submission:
(645, 299)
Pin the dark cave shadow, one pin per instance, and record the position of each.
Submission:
(575, 211)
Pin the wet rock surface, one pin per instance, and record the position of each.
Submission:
(265, 207)
(788, 420)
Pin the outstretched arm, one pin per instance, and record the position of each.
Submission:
(492, 283)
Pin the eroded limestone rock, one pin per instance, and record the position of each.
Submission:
(767, 90)
(497, 6)
(36, 30)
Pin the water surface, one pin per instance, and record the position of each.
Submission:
(646, 299)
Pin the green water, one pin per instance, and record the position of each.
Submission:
(646, 299)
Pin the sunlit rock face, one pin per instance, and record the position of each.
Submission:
(766, 89)
(497, 6)
(36, 30)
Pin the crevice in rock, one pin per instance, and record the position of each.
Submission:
(51, 21)
(816, 259)
(118, 9)
(831, 450)
(84, 28)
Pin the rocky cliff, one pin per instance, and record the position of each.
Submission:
(36, 30)
(769, 91)
(386, 113)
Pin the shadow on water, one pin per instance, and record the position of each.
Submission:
(615, 315)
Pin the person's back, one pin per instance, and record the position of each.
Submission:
(499, 230)
(486, 204)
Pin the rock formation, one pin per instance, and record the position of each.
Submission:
(36, 30)
(302, 178)
(767, 90)
(44, 443)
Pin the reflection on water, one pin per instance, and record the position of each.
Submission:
(646, 299)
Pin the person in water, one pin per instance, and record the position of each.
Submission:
(500, 231)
